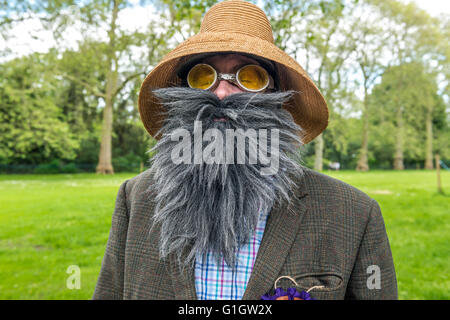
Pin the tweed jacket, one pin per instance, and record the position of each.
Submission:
(330, 235)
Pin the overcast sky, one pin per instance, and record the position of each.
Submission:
(434, 7)
(24, 43)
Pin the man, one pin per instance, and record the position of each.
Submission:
(226, 211)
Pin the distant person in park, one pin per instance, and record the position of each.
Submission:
(335, 166)
(226, 211)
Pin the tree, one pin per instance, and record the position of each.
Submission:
(407, 96)
(416, 37)
(370, 48)
(315, 31)
(94, 17)
(434, 47)
(119, 46)
(32, 127)
(184, 16)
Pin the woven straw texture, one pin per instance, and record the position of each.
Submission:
(242, 27)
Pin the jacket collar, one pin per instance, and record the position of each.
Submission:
(279, 235)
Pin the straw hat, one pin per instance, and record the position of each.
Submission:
(241, 27)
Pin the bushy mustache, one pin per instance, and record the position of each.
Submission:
(242, 110)
(215, 208)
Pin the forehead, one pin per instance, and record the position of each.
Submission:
(229, 60)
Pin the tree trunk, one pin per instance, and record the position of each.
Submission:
(318, 147)
(398, 157)
(429, 141)
(363, 163)
(105, 155)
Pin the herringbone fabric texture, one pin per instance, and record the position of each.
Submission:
(330, 235)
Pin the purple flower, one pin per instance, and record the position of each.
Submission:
(290, 294)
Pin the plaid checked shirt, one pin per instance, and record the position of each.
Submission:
(219, 282)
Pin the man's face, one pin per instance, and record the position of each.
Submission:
(213, 206)
(229, 63)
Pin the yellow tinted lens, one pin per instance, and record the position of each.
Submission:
(201, 76)
(253, 77)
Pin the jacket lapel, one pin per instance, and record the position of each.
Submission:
(183, 281)
(280, 232)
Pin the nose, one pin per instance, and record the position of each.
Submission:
(226, 88)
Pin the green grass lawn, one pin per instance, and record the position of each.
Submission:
(50, 222)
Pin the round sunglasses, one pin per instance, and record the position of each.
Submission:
(251, 77)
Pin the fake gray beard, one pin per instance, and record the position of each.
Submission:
(214, 208)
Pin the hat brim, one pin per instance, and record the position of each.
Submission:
(308, 106)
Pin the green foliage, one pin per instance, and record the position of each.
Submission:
(183, 15)
(55, 166)
(74, 87)
(63, 92)
(410, 90)
(32, 127)
(130, 162)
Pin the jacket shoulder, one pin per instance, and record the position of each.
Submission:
(335, 195)
(138, 189)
